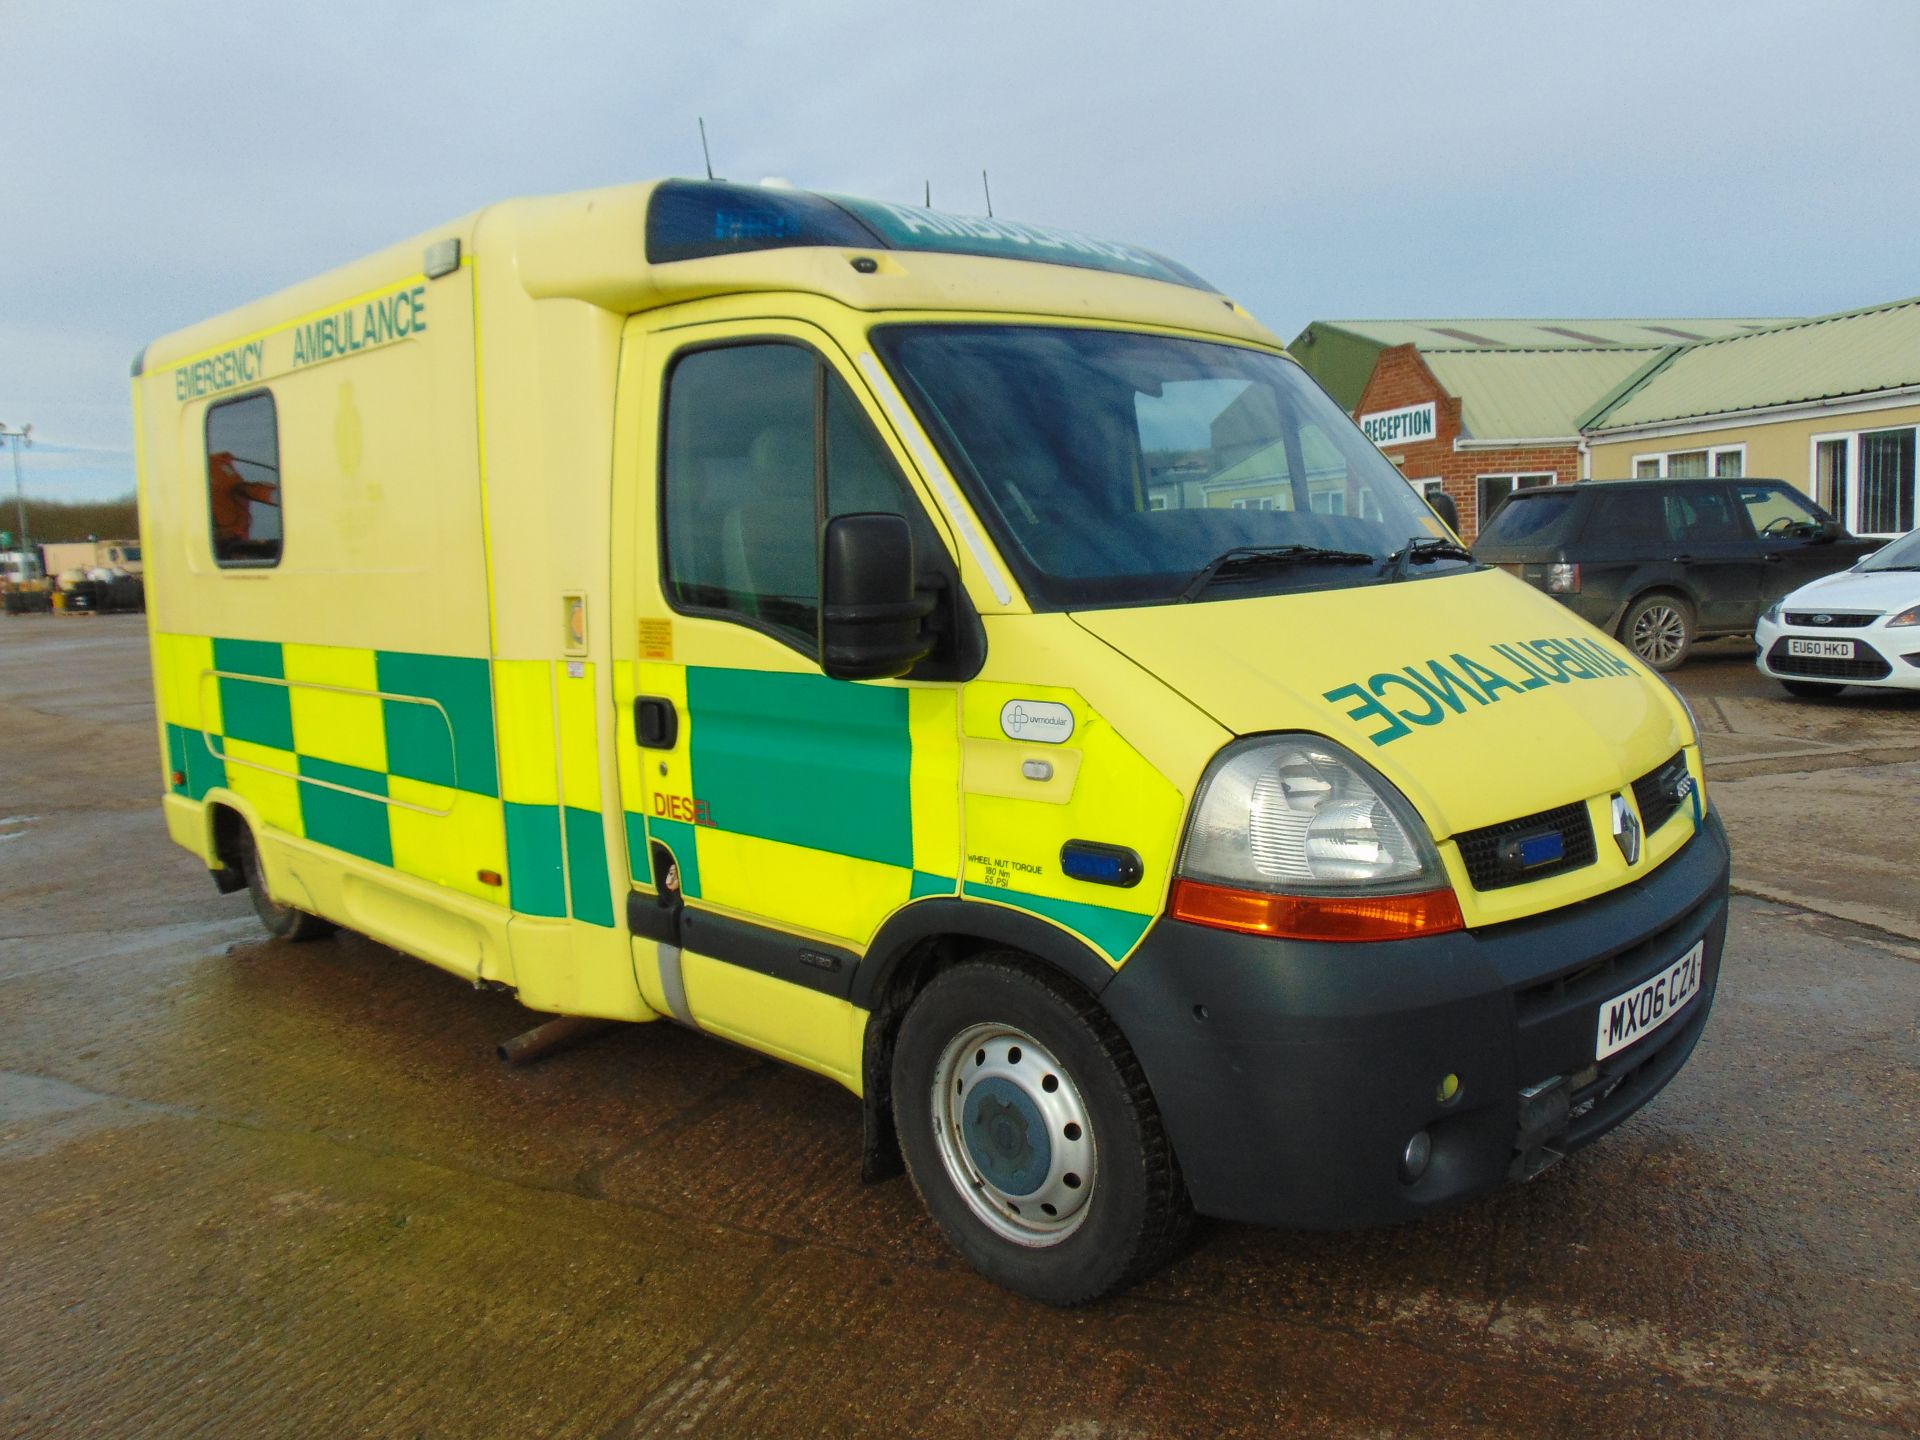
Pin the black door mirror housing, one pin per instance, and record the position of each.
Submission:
(1829, 531)
(1442, 505)
(872, 615)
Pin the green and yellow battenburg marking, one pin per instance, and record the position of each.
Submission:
(392, 757)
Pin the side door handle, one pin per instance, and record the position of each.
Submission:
(656, 724)
(1683, 559)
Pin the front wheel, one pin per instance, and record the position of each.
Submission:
(282, 921)
(1659, 629)
(1812, 689)
(1031, 1134)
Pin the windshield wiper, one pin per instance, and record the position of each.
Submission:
(1257, 557)
(1421, 551)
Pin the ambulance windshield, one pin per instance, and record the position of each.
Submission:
(1114, 467)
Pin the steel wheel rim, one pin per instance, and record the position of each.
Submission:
(1657, 633)
(1020, 1154)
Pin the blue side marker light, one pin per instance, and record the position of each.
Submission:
(1100, 864)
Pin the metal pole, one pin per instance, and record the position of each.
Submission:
(25, 541)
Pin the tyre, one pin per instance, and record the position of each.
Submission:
(282, 921)
(1812, 689)
(1659, 629)
(1031, 1135)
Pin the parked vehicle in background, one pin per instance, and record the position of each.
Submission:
(1663, 563)
(1859, 627)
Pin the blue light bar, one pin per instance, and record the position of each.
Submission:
(693, 219)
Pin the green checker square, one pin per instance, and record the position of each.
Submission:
(538, 883)
(639, 853)
(587, 880)
(177, 740)
(250, 657)
(681, 838)
(256, 711)
(926, 884)
(806, 760)
(205, 770)
(417, 739)
(419, 742)
(355, 823)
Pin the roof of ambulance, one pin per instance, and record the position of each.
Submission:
(636, 247)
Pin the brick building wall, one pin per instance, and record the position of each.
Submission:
(1400, 377)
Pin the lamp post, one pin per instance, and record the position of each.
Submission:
(20, 435)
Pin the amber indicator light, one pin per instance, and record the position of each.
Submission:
(1317, 917)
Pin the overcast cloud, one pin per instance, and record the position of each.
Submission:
(167, 162)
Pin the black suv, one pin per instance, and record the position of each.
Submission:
(1662, 563)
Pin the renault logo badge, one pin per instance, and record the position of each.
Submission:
(1626, 829)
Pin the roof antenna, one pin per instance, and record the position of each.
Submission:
(704, 153)
(927, 204)
(989, 190)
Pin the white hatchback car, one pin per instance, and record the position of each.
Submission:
(1855, 627)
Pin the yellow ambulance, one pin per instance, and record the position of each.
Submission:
(964, 658)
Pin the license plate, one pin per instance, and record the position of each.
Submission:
(1822, 649)
(1645, 1008)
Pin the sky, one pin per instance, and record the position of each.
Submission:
(165, 162)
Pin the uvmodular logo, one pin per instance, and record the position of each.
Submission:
(1044, 720)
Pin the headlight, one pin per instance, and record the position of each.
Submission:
(1772, 617)
(1296, 836)
(1908, 616)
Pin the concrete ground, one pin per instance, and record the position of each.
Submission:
(260, 1190)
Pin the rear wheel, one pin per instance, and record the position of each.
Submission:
(1659, 629)
(282, 921)
(1812, 689)
(1031, 1134)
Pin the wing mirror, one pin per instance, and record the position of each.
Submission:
(872, 615)
(1443, 506)
(1829, 531)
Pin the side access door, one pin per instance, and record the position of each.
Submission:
(783, 815)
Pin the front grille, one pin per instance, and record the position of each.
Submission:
(1867, 664)
(1480, 850)
(1823, 619)
(1658, 793)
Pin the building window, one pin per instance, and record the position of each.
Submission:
(1866, 479)
(1495, 488)
(1830, 474)
(1716, 462)
(243, 481)
(1886, 482)
(1258, 502)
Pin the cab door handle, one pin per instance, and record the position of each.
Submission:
(1683, 559)
(656, 724)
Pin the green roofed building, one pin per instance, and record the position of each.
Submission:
(1478, 408)
(1831, 404)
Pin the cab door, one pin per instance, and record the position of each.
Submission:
(785, 815)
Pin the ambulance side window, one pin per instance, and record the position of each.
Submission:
(739, 477)
(753, 431)
(243, 481)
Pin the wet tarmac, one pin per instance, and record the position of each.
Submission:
(261, 1190)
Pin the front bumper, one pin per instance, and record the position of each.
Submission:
(1291, 1076)
(1885, 657)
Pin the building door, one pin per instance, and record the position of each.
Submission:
(797, 811)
